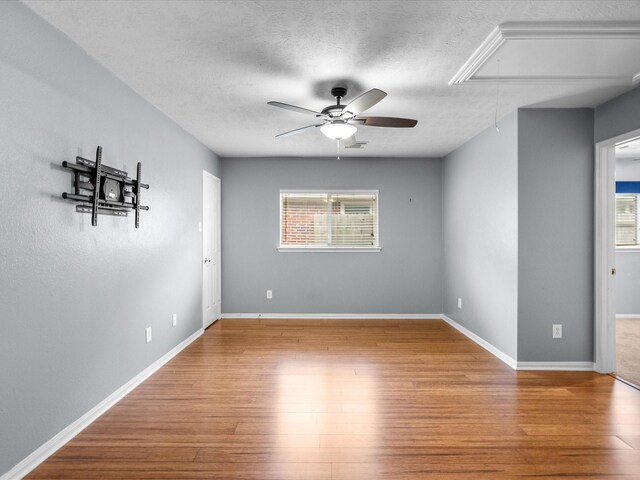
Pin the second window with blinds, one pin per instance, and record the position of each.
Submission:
(329, 221)
(626, 220)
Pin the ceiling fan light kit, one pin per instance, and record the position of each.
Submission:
(338, 130)
(339, 121)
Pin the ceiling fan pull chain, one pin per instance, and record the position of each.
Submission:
(338, 149)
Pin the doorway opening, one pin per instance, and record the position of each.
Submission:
(617, 257)
(628, 261)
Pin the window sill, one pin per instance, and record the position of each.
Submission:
(628, 249)
(329, 249)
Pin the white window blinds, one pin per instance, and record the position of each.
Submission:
(329, 219)
(626, 220)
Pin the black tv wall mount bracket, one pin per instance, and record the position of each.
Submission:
(104, 190)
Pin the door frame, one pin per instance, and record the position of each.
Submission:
(218, 214)
(605, 252)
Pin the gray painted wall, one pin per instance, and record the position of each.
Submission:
(617, 116)
(405, 277)
(555, 222)
(627, 170)
(481, 236)
(75, 299)
(627, 261)
(628, 282)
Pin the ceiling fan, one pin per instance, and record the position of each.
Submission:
(338, 122)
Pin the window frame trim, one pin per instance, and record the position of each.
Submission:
(329, 248)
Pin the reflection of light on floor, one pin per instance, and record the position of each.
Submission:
(300, 396)
(326, 403)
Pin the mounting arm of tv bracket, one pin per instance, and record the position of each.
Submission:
(104, 190)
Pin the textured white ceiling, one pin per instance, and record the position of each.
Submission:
(212, 66)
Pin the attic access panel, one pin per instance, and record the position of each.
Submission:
(526, 53)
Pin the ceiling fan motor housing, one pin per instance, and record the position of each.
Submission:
(333, 110)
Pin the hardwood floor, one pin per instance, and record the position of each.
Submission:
(628, 349)
(351, 400)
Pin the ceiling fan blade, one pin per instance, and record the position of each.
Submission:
(293, 108)
(296, 131)
(363, 102)
(387, 122)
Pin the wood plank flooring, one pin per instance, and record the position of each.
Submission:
(350, 400)
(628, 349)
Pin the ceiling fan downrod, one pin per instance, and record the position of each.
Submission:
(339, 93)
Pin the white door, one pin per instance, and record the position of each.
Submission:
(211, 309)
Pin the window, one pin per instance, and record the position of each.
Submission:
(626, 220)
(329, 220)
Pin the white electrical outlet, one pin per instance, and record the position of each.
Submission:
(557, 330)
(147, 335)
(174, 319)
(269, 294)
(459, 303)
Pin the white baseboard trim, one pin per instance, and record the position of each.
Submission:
(482, 342)
(337, 316)
(58, 441)
(628, 315)
(510, 361)
(557, 366)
